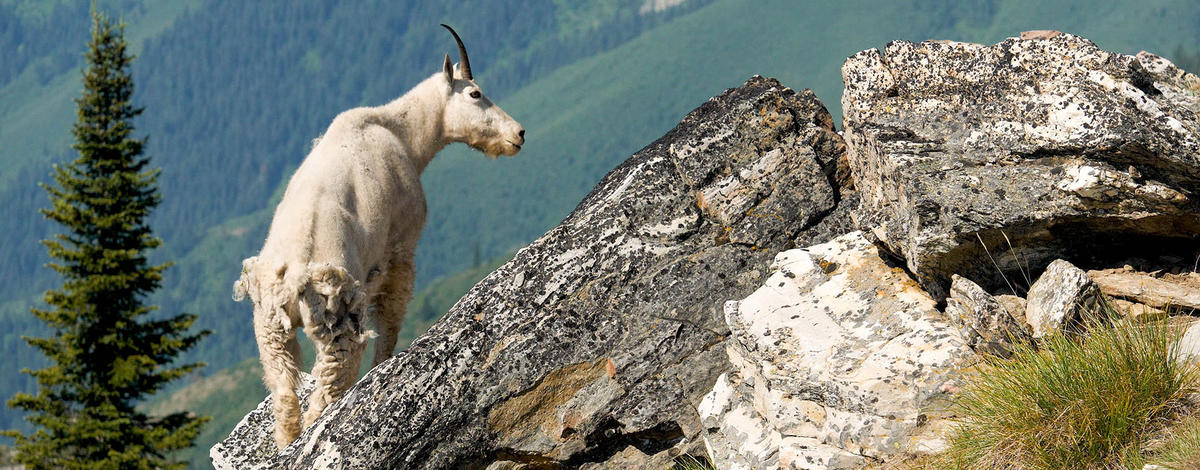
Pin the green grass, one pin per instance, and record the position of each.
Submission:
(688, 462)
(1091, 400)
(1180, 446)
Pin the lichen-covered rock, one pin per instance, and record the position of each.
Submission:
(604, 333)
(253, 435)
(839, 361)
(984, 322)
(1038, 149)
(1059, 297)
(1015, 305)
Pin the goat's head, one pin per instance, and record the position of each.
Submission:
(472, 118)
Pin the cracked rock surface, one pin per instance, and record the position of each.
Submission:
(593, 346)
(1047, 147)
(840, 360)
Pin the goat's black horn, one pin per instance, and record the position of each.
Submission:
(462, 55)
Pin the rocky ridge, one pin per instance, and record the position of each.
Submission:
(753, 288)
(595, 344)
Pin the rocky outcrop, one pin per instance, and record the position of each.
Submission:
(604, 343)
(595, 344)
(986, 161)
(973, 163)
(839, 361)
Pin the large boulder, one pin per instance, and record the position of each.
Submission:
(595, 344)
(991, 161)
(840, 360)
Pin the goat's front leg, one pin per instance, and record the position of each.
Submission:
(392, 305)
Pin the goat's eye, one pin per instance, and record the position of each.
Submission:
(475, 94)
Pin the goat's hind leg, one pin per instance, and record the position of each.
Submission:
(339, 353)
(278, 350)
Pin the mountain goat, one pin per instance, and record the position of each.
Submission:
(343, 237)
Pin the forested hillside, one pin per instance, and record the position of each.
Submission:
(235, 91)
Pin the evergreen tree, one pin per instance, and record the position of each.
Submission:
(108, 351)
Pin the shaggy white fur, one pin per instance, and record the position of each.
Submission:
(343, 236)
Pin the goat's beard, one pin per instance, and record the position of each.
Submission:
(495, 148)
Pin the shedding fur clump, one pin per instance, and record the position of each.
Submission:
(342, 239)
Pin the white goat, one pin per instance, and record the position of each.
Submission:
(343, 236)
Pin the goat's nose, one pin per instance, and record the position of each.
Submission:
(521, 133)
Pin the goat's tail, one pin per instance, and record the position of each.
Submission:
(244, 284)
(334, 300)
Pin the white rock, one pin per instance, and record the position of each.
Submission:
(1188, 347)
(1058, 297)
(838, 358)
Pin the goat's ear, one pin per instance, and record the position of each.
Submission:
(448, 70)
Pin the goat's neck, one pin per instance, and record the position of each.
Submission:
(416, 119)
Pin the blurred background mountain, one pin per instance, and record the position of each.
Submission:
(235, 91)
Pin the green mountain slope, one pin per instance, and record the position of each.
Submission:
(585, 118)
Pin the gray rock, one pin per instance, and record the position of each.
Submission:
(987, 325)
(1187, 348)
(1180, 292)
(1050, 143)
(840, 360)
(606, 332)
(1059, 297)
(1015, 306)
(252, 437)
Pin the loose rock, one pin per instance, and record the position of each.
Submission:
(986, 324)
(1059, 297)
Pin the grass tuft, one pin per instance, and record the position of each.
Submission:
(688, 462)
(1074, 400)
